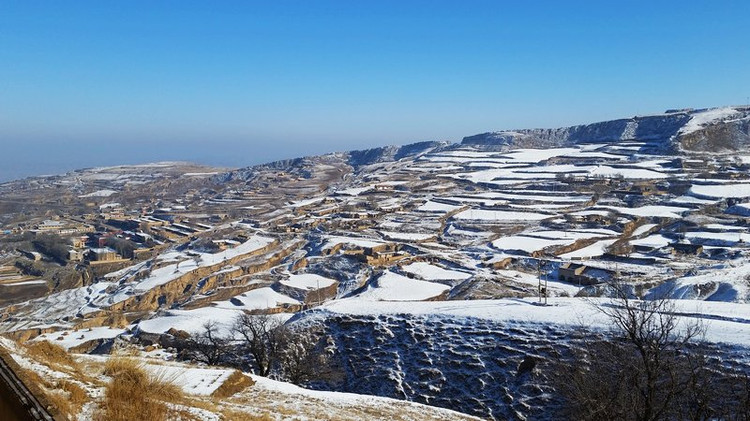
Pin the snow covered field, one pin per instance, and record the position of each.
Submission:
(729, 324)
(394, 287)
(434, 273)
(500, 216)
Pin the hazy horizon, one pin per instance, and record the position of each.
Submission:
(19, 160)
(241, 83)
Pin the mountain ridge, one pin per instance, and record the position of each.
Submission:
(666, 131)
(716, 130)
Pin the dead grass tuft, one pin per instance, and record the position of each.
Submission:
(230, 415)
(59, 401)
(50, 354)
(132, 392)
(182, 415)
(30, 377)
(235, 383)
(63, 398)
(116, 365)
(77, 396)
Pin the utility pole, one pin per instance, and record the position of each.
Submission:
(617, 272)
(542, 290)
(539, 273)
(546, 279)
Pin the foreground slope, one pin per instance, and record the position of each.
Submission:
(82, 382)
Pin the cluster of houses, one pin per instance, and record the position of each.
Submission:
(92, 237)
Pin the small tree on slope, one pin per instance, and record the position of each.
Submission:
(650, 367)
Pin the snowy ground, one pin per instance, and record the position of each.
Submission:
(394, 287)
(266, 398)
(728, 324)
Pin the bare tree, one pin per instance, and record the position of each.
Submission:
(295, 354)
(208, 346)
(660, 366)
(305, 358)
(264, 337)
(651, 366)
(642, 371)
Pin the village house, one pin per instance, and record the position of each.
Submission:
(80, 242)
(575, 273)
(687, 249)
(384, 187)
(639, 189)
(385, 256)
(354, 215)
(589, 216)
(50, 225)
(693, 164)
(75, 255)
(103, 254)
(325, 211)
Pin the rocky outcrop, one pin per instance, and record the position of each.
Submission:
(94, 346)
(113, 320)
(23, 335)
(662, 133)
(308, 296)
(658, 129)
(722, 137)
(392, 153)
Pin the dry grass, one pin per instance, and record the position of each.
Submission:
(259, 400)
(50, 354)
(42, 389)
(229, 415)
(118, 364)
(59, 401)
(66, 397)
(235, 383)
(63, 397)
(133, 393)
(29, 377)
(77, 396)
(182, 415)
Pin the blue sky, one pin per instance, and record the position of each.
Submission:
(238, 83)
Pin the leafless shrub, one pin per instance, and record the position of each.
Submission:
(298, 355)
(306, 358)
(649, 367)
(208, 346)
(264, 337)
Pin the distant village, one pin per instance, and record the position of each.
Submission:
(402, 219)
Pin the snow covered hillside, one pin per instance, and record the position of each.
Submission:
(421, 263)
(468, 355)
(713, 129)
